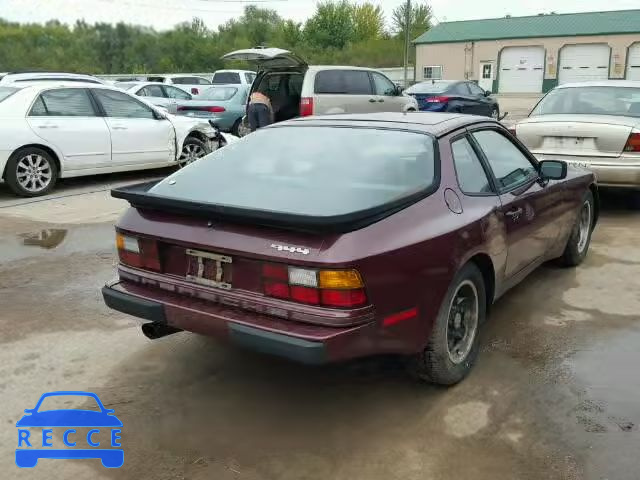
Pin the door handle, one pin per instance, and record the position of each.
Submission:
(381, 100)
(514, 213)
(47, 126)
(372, 100)
(119, 127)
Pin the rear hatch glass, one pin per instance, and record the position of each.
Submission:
(319, 172)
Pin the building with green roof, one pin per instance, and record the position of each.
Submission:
(532, 54)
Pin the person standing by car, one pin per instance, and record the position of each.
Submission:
(260, 112)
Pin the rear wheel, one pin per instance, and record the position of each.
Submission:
(580, 239)
(236, 127)
(453, 346)
(31, 172)
(192, 150)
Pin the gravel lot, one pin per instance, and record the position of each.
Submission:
(554, 395)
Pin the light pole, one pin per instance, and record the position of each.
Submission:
(407, 25)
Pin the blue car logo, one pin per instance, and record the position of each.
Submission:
(31, 448)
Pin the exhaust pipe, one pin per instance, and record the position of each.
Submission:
(155, 330)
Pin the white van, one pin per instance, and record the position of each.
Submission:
(297, 89)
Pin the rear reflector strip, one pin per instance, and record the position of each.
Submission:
(399, 317)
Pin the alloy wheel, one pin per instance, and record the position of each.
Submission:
(462, 321)
(584, 226)
(34, 173)
(190, 153)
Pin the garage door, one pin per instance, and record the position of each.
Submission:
(521, 70)
(633, 62)
(580, 63)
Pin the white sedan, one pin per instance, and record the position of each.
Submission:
(58, 130)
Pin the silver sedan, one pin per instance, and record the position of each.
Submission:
(595, 125)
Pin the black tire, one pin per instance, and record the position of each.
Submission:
(194, 143)
(23, 154)
(495, 113)
(434, 364)
(577, 247)
(235, 127)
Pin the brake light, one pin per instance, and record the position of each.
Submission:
(633, 143)
(195, 91)
(202, 109)
(306, 106)
(138, 252)
(328, 288)
(438, 99)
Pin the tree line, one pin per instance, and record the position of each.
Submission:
(339, 32)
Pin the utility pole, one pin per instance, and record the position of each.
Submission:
(407, 25)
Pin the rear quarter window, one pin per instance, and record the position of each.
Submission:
(343, 82)
(6, 92)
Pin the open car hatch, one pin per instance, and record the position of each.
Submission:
(267, 57)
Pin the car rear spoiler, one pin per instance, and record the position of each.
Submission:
(139, 197)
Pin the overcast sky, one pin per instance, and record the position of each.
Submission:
(163, 14)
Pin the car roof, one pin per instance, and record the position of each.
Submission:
(234, 71)
(340, 67)
(603, 83)
(49, 84)
(437, 124)
(26, 76)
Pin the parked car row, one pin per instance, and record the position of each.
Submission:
(56, 129)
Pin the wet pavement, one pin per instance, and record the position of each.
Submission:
(555, 393)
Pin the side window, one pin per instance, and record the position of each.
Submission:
(174, 92)
(249, 77)
(509, 164)
(121, 105)
(471, 176)
(383, 85)
(432, 72)
(475, 89)
(151, 91)
(460, 89)
(343, 82)
(65, 102)
(201, 81)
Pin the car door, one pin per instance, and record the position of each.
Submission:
(461, 100)
(527, 203)
(387, 94)
(343, 91)
(139, 136)
(67, 119)
(483, 104)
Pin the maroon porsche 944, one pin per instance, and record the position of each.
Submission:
(328, 238)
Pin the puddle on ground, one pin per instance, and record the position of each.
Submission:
(48, 238)
(57, 241)
(611, 378)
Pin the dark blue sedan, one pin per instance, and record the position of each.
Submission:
(454, 96)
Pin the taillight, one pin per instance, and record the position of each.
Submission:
(195, 91)
(438, 99)
(306, 106)
(633, 143)
(138, 252)
(215, 109)
(327, 288)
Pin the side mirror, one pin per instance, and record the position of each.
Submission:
(487, 93)
(553, 170)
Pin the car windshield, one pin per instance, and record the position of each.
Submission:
(309, 170)
(428, 87)
(603, 100)
(66, 402)
(219, 93)
(6, 92)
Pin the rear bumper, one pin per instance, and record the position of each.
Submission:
(625, 174)
(311, 344)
